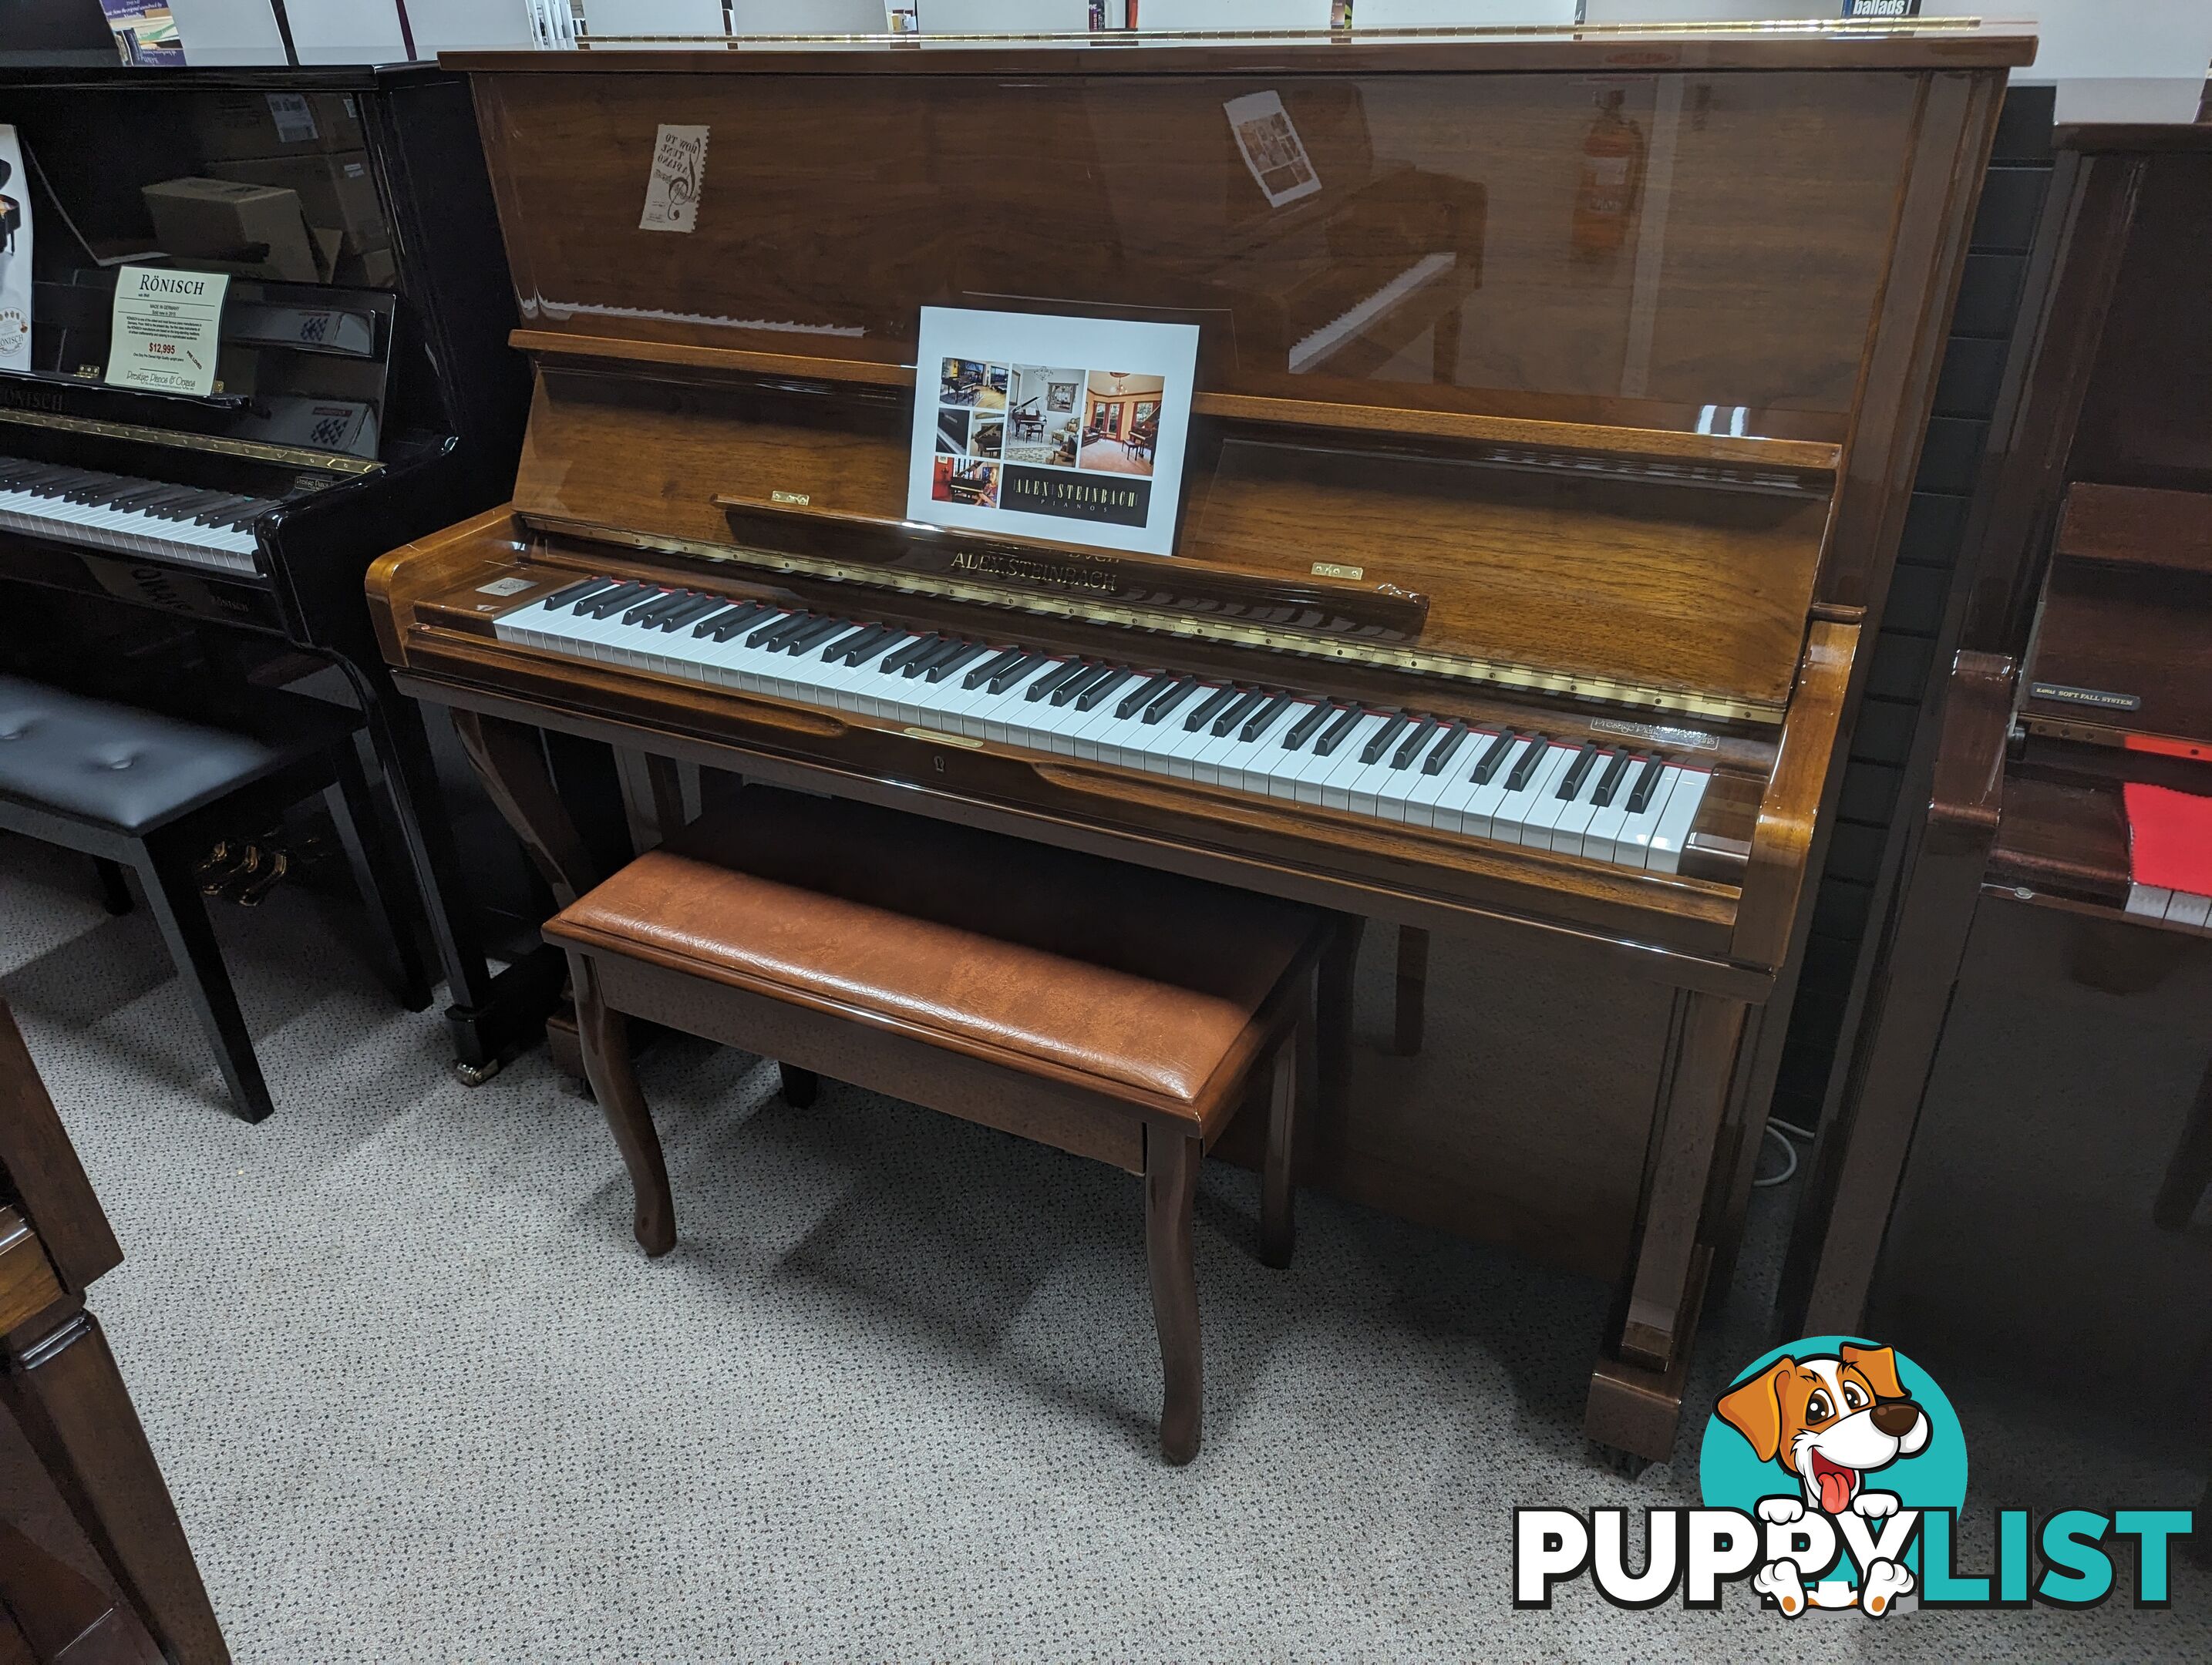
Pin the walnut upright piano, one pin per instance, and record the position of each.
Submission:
(1521, 570)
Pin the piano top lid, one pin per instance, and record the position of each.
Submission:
(1943, 43)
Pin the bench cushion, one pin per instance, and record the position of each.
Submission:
(1136, 982)
(115, 764)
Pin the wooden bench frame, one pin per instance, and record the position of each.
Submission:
(1135, 1131)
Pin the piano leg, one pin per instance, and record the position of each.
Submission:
(353, 812)
(1636, 1391)
(490, 1017)
(59, 1381)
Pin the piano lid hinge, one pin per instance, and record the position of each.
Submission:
(1839, 612)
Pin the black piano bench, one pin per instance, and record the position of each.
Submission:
(1109, 1011)
(133, 789)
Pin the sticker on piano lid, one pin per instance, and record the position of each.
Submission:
(679, 171)
(15, 254)
(1338, 569)
(1272, 147)
(294, 116)
(506, 586)
(1695, 739)
(2096, 699)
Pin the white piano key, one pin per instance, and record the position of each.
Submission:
(2189, 911)
(2149, 900)
(1672, 836)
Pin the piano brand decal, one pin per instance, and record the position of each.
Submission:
(506, 586)
(1832, 1473)
(1338, 569)
(1018, 430)
(1272, 149)
(1072, 574)
(1695, 739)
(2096, 698)
(167, 324)
(679, 172)
(15, 254)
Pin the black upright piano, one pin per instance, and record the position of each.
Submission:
(364, 394)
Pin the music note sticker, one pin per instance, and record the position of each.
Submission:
(679, 171)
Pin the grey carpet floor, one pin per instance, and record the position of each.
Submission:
(419, 1397)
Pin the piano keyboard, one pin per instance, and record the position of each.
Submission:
(1604, 803)
(130, 516)
(2182, 908)
(1311, 350)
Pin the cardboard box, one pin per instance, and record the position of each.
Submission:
(338, 191)
(233, 126)
(254, 230)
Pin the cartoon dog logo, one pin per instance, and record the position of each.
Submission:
(1830, 1420)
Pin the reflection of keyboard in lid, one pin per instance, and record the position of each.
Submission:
(1310, 351)
(128, 515)
(1602, 803)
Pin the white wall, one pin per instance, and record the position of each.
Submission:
(808, 17)
(1229, 13)
(341, 31)
(227, 31)
(660, 17)
(1001, 16)
(457, 24)
(1465, 14)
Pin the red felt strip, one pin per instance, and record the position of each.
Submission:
(2170, 838)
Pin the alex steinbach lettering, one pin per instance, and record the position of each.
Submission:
(2068, 1563)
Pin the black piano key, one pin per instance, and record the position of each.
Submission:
(1578, 771)
(1074, 687)
(1333, 736)
(1009, 674)
(851, 640)
(857, 657)
(813, 636)
(650, 606)
(134, 495)
(1238, 710)
(697, 608)
(1379, 742)
(1410, 746)
(990, 668)
(239, 514)
(734, 622)
(1266, 713)
(1095, 696)
(1140, 696)
(900, 658)
(1455, 737)
(1051, 679)
(969, 651)
(91, 490)
(191, 504)
(1209, 708)
(1302, 730)
(1609, 782)
(576, 592)
(1173, 695)
(1539, 749)
(1492, 761)
(775, 626)
(622, 595)
(946, 648)
(1639, 797)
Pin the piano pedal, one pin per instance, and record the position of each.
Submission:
(224, 864)
(275, 868)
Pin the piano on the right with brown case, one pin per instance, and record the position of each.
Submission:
(2018, 1147)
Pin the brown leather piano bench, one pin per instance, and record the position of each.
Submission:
(1108, 1009)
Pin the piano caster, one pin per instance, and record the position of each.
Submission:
(1627, 1464)
(475, 1075)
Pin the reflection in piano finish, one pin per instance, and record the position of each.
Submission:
(348, 414)
(2036, 996)
(1457, 633)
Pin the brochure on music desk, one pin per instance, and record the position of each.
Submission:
(167, 325)
(1070, 429)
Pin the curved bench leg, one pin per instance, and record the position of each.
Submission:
(1170, 1192)
(1278, 1166)
(604, 1035)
